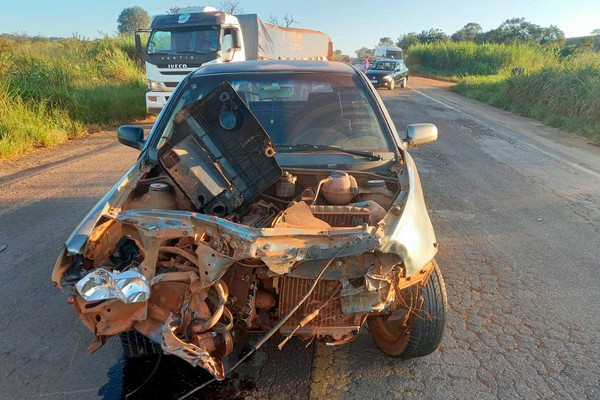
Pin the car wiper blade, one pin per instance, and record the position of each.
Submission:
(299, 147)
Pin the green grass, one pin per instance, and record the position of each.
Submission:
(51, 91)
(467, 58)
(561, 92)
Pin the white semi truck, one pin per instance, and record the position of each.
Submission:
(180, 43)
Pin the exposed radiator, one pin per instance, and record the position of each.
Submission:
(342, 216)
(330, 316)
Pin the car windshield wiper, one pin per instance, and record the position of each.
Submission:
(295, 148)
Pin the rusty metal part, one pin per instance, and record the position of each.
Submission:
(280, 248)
(329, 321)
(180, 252)
(299, 215)
(264, 300)
(191, 353)
(159, 196)
(342, 215)
(201, 325)
(110, 317)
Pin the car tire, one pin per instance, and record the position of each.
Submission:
(136, 345)
(392, 85)
(403, 84)
(429, 324)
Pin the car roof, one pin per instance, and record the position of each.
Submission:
(277, 66)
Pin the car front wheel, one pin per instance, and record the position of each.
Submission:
(403, 84)
(419, 332)
(392, 85)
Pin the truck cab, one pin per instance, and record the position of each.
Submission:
(389, 53)
(180, 43)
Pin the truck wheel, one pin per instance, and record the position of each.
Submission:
(403, 84)
(392, 84)
(137, 345)
(394, 338)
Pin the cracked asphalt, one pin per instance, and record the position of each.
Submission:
(519, 235)
(516, 208)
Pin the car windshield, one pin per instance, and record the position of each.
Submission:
(300, 108)
(183, 41)
(384, 65)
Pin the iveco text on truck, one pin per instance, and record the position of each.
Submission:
(180, 43)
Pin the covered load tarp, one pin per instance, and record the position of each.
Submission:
(269, 42)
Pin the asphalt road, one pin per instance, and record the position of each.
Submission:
(515, 205)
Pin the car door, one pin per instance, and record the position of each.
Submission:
(402, 70)
(395, 72)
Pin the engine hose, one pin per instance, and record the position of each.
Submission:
(199, 325)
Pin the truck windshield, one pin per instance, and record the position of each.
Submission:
(300, 108)
(175, 41)
(394, 55)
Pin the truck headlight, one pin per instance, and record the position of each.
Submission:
(153, 85)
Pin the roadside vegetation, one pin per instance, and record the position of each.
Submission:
(519, 66)
(55, 89)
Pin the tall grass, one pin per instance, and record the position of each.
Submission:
(468, 58)
(561, 92)
(54, 90)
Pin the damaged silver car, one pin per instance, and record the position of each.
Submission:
(270, 197)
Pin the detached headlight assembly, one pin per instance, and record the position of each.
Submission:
(153, 85)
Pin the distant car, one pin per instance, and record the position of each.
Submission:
(388, 73)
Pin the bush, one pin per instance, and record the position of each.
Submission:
(468, 58)
(52, 89)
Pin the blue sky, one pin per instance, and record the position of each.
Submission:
(350, 23)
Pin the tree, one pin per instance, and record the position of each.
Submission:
(288, 19)
(518, 30)
(407, 40)
(231, 7)
(363, 52)
(553, 35)
(131, 19)
(337, 55)
(467, 33)
(432, 36)
(386, 41)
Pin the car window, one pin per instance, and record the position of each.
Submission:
(384, 65)
(322, 109)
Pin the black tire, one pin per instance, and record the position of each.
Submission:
(136, 345)
(403, 84)
(392, 84)
(428, 328)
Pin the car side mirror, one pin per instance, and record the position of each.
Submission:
(420, 134)
(132, 136)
